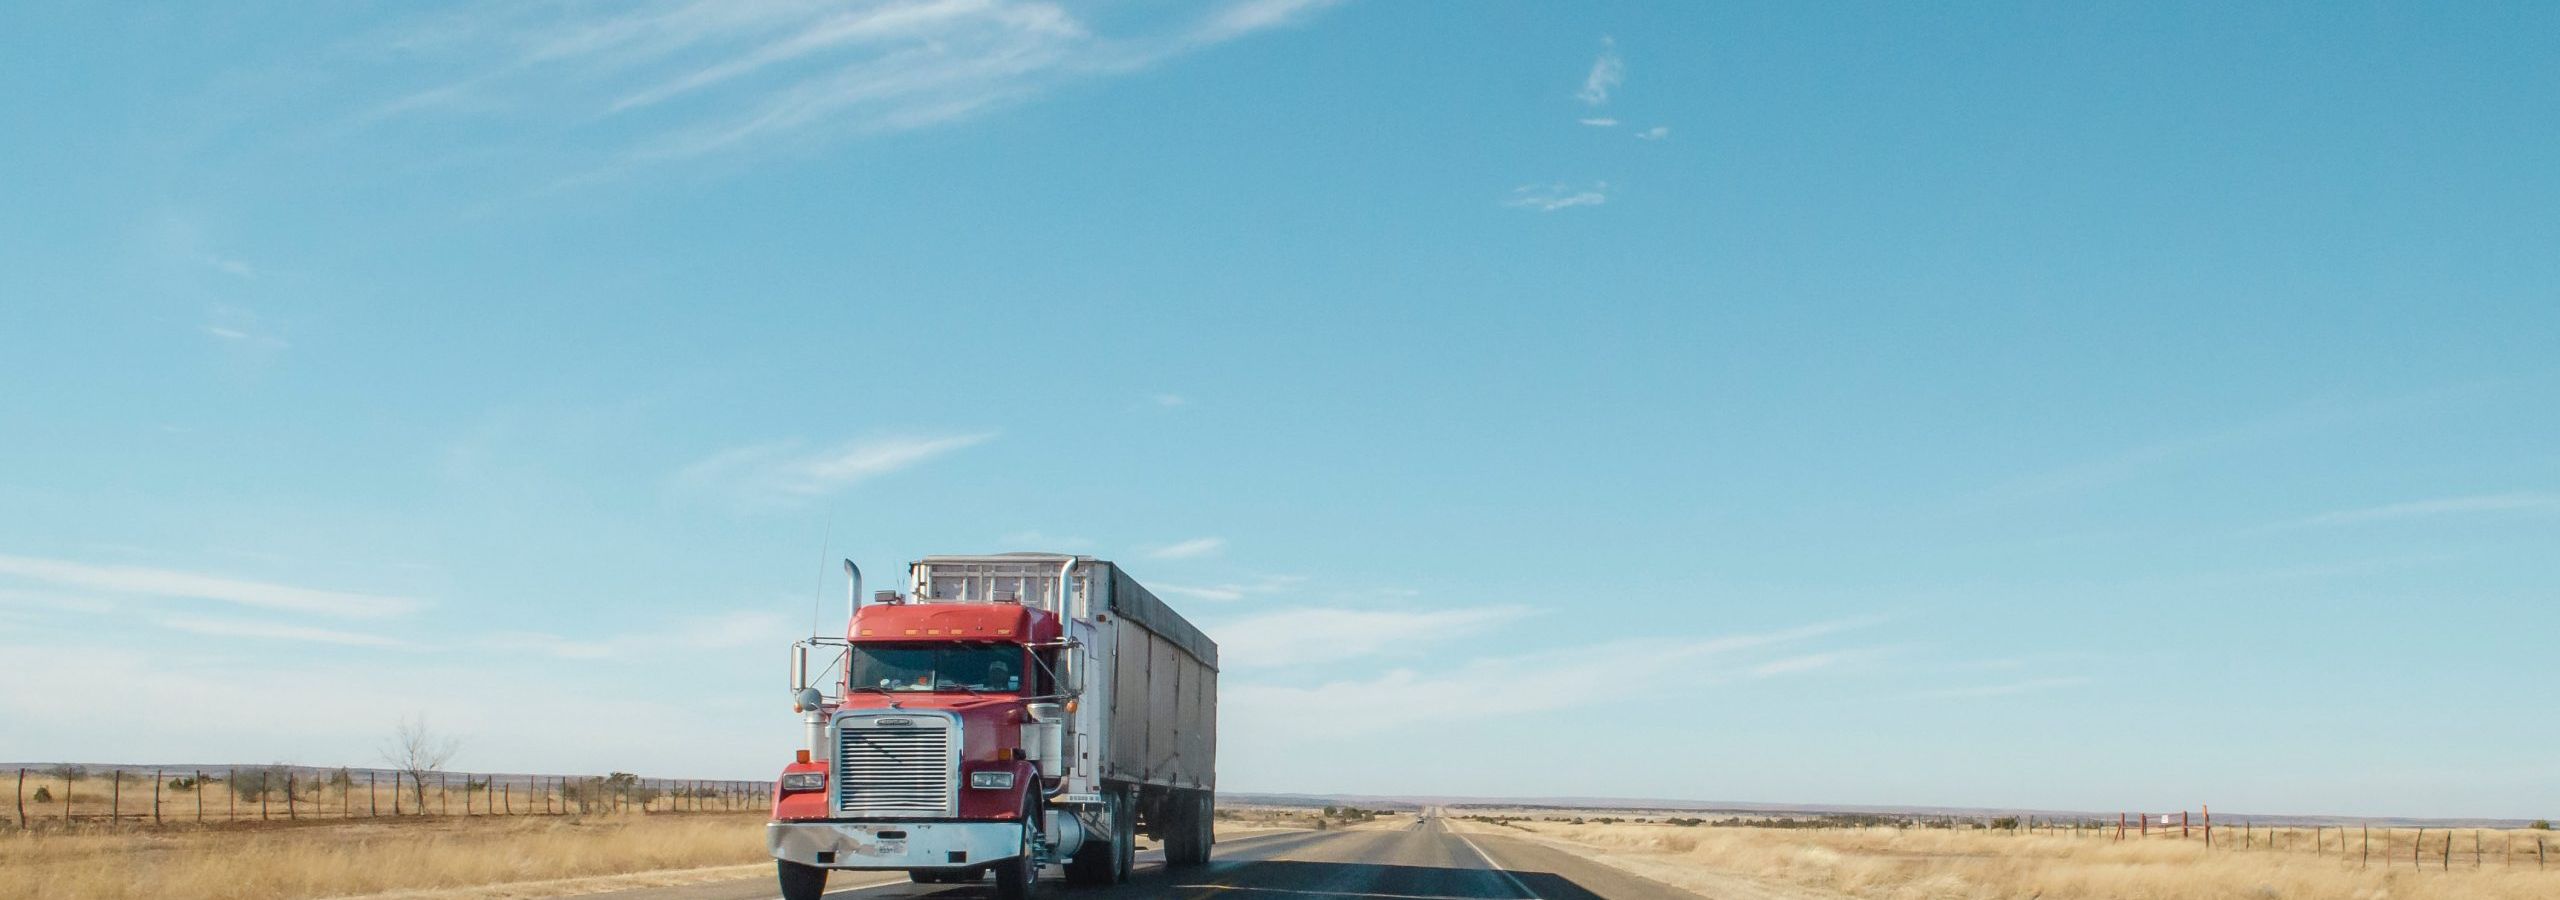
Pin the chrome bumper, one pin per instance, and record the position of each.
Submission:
(860, 845)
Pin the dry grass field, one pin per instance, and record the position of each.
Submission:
(423, 857)
(1941, 864)
(366, 856)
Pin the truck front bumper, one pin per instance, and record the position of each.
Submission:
(892, 845)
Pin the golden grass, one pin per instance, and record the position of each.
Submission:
(1940, 864)
(365, 856)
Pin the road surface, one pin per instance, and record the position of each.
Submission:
(1422, 861)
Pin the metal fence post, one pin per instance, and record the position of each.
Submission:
(289, 811)
(155, 797)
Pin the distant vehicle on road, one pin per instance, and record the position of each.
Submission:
(1007, 713)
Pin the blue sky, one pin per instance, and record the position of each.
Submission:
(2102, 406)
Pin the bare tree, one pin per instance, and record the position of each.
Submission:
(417, 752)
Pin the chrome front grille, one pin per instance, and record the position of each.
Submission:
(903, 765)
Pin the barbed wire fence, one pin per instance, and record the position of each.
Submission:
(128, 797)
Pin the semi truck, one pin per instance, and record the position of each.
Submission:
(1004, 714)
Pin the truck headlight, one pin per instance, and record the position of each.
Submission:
(992, 781)
(804, 781)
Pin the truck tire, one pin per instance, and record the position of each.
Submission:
(1019, 877)
(1105, 861)
(800, 882)
(1188, 827)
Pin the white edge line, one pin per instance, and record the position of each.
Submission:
(1524, 890)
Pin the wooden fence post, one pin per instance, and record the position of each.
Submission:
(231, 792)
(115, 796)
(289, 811)
(2367, 848)
(22, 799)
(372, 802)
(2446, 863)
(155, 797)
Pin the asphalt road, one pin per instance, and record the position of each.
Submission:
(1422, 861)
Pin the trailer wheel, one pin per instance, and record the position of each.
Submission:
(1188, 829)
(1018, 877)
(800, 882)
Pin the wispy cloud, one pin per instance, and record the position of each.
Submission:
(1190, 549)
(178, 236)
(2429, 509)
(1310, 636)
(1041, 540)
(1170, 401)
(717, 632)
(142, 581)
(788, 473)
(237, 336)
(1233, 590)
(1632, 670)
(1601, 122)
(677, 79)
(1607, 72)
(2028, 686)
(228, 265)
(1552, 197)
(240, 327)
(1810, 662)
(277, 631)
(1654, 133)
(2146, 459)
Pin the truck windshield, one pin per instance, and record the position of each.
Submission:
(937, 667)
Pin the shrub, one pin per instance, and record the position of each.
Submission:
(2542, 824)
(253, 785)
(44, 795)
